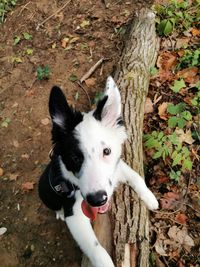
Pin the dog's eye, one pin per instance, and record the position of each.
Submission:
(75, 159)
(106, 151)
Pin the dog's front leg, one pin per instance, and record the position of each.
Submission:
(128, 175)
(81, 229)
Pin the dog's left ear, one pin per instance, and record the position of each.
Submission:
(109, 108)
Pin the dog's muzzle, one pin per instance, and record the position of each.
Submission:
(97, 199)
(95, 203)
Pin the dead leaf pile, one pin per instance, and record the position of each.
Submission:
(27, 186)
(171, 243)
(170, 201)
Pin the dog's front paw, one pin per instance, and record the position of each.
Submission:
(60, 215)
(150, 200)
(102, 258)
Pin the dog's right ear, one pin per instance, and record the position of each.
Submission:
(59, 109)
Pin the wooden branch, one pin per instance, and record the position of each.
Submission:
(130, 221)
(92, 70)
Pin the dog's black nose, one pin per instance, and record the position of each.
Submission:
(97, 199)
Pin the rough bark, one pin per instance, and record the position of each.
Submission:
(130, 221)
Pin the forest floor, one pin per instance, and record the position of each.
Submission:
(33, 58)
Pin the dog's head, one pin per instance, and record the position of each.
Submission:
(89, 144)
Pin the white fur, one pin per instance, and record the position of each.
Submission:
(59, 120)
(97, 169)
(81, 229)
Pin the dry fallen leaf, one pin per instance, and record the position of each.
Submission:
(65, 42)
(25, 156)
(170, 200)
(27, 186)
(184, 136)
(181, 237)
(15, 105)
(167, 61)
(148, 108)
(45, 121)
(3, 230)
(15, 143)
(181, 42)
(162, 110)
(188, 74)
(13, 176)
(1, 172)
(160, 248)
(90, 82)
(181, 218)
(195, 32)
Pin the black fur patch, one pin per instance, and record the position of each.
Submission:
(49, 196)
(98, 111)
(65, 143)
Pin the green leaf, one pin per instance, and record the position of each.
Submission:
(43, 73)
(173, 139)
(178, 85)
(99, 95)
(181, 123)
(187, 164)
(29, 51)
(16, 40)
(27, 36)
(85, 23)
(157, 155)
(172, 122)
(176, 109)
(73, 78)
(153, 71)
(175, 175)
(177, 160)
(17, 60)
(172, 109)
(186, 115)
(165, 27)
(160, 135)
(6, 122)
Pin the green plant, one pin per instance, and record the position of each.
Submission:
(73, 77)
(191, 58)
(181, 115)
(176, 14)
(5, 6)
(97, 97)
(27, 36)
(178, 85)
(43, 73)
(196, 100)
(169, 147)
(175, 175)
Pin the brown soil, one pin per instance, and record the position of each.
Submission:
(34, 237)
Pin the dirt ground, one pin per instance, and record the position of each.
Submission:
(34, 237)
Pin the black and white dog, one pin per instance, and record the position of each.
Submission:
(85, 167)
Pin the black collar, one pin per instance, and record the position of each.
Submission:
(60, 185)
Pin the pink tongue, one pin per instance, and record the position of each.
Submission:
(91, 212)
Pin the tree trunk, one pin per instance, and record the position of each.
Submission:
(130, 221)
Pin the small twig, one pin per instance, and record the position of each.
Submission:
(85, 91)
(191, 207)
(165, 261)
(166, 213)
(23, 7)
(91, 70)
(52, 15)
